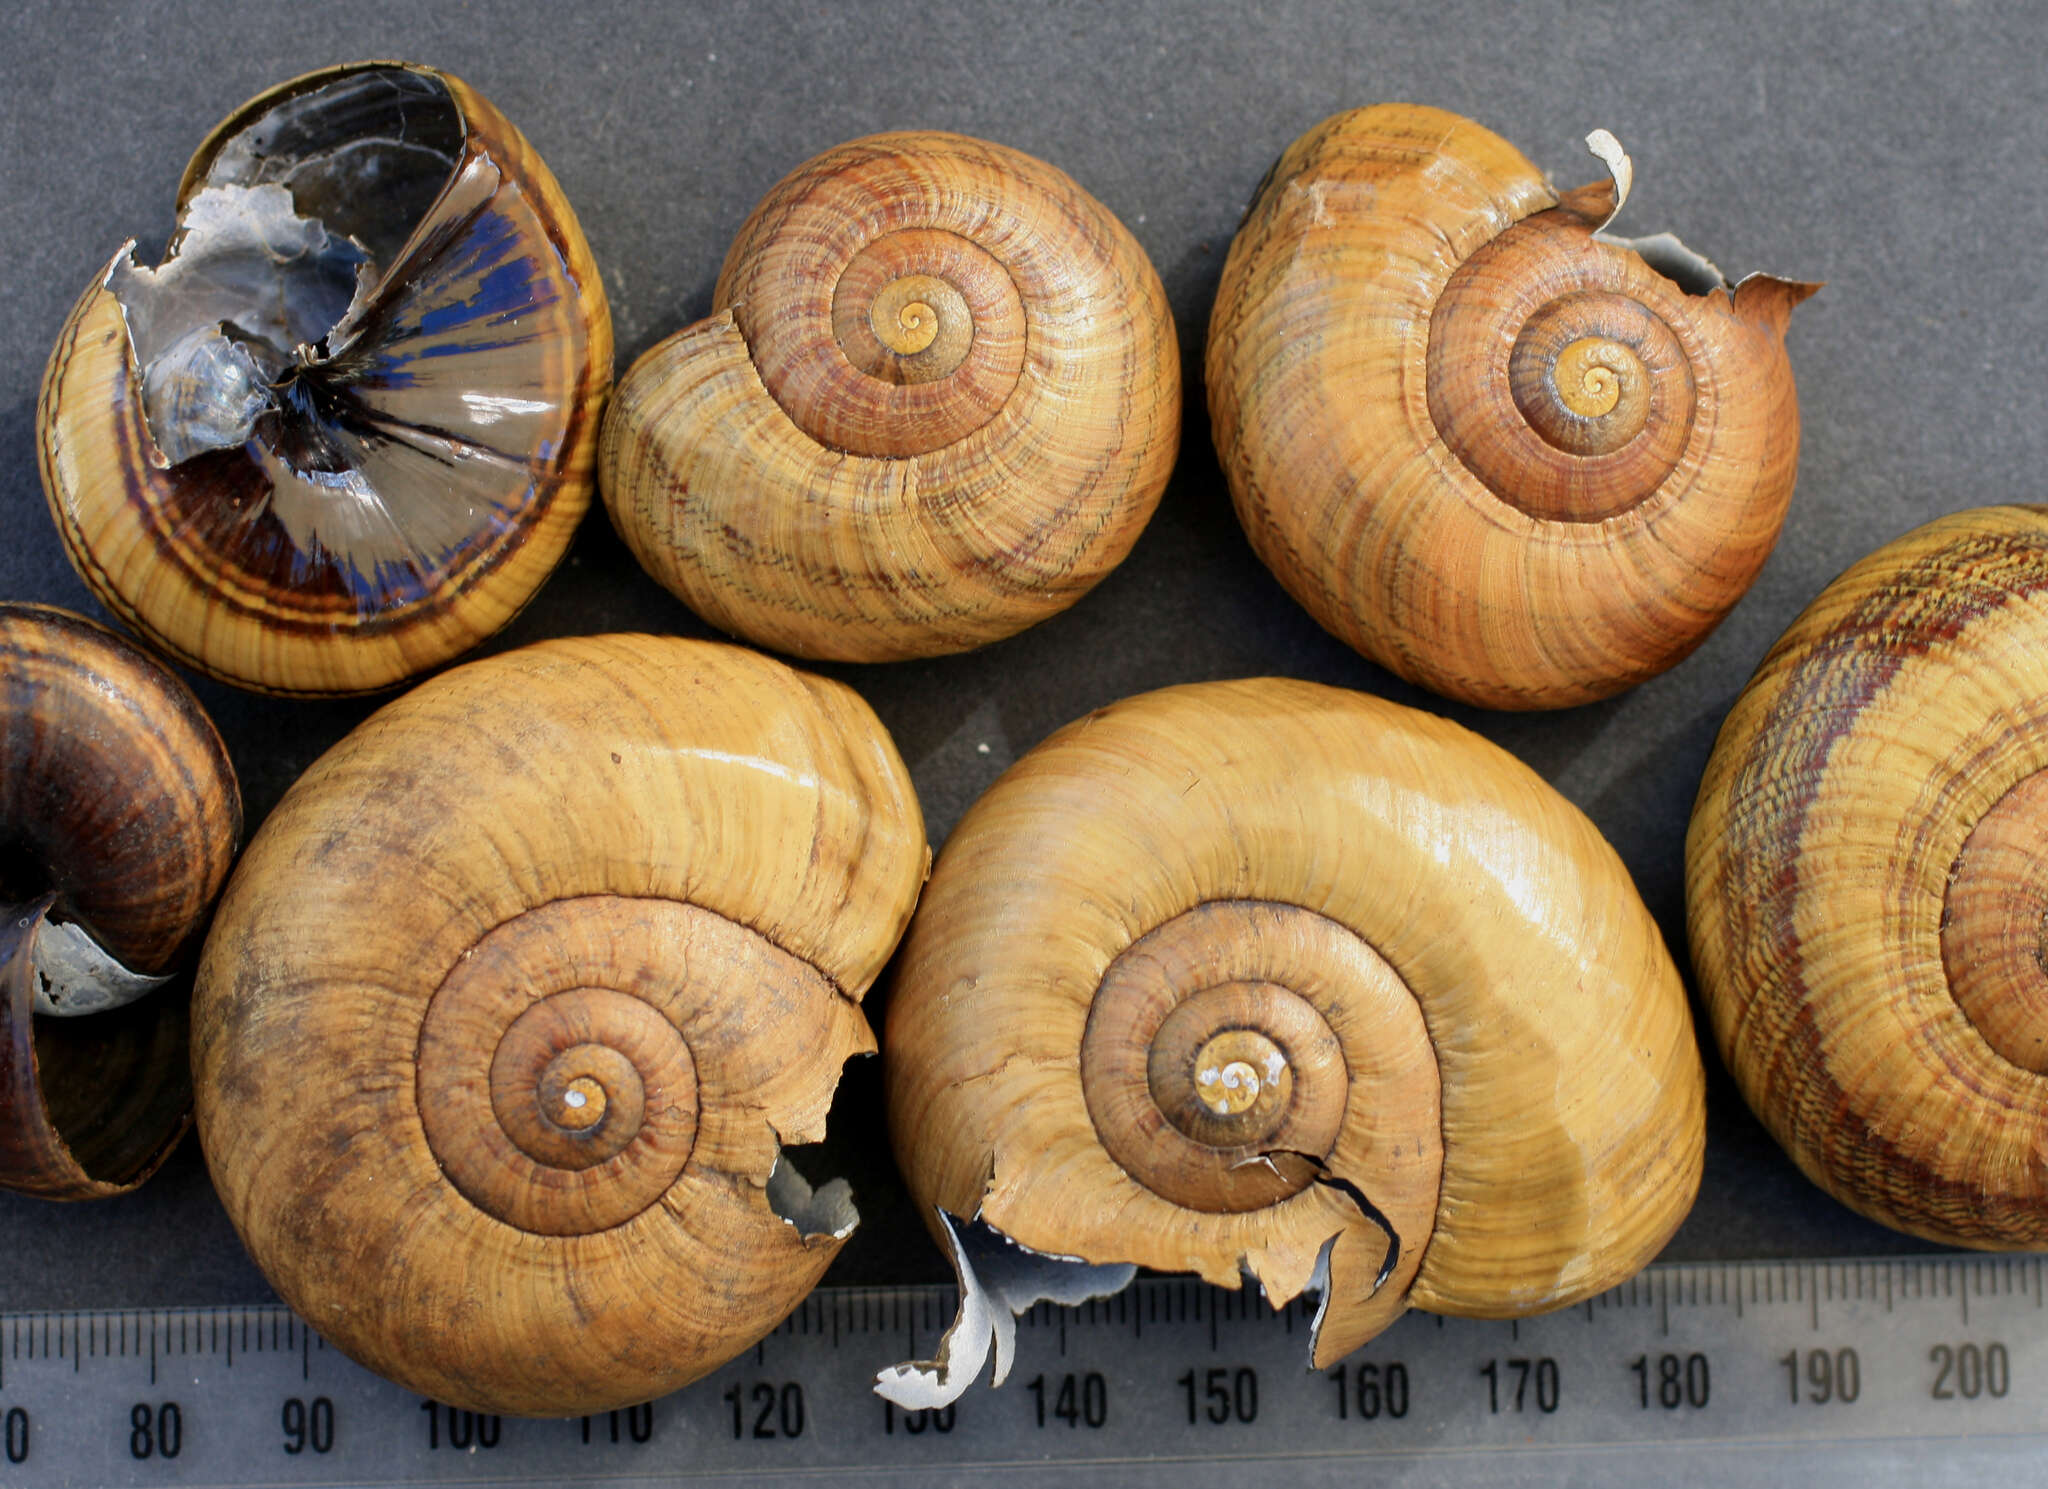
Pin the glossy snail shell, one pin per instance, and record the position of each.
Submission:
(1502, 455)
(1274, 980)
(1865, 888)
(936, 401)
(119, 816)
(516, 997)
(361, 433)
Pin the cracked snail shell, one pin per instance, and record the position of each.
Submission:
(936, 401)
(119, 816)
(1867, 883)
(1271, 980)
(1508, 457)
(515, 999)
(346, 429)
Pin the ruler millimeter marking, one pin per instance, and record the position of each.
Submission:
(1930, 1371)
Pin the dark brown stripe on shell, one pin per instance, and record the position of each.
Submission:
(1832, 680)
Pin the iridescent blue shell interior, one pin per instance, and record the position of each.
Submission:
(368, 367)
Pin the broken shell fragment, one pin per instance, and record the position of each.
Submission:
(1511, 457)
(119, 816)
(1270, 980)
(936, 401)
(516, 997)
(1865, 883)
(345, 430)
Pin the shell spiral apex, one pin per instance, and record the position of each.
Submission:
(936, 402)
(1865, 887)
(1505, 455)
(519, 994)
(346, 429)
(1270, 980)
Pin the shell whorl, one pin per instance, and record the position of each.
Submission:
(1501, 456)
(115, 782)
(936, 402)
(1865, 902)
(928, 325)
(567, 943)
(1501, 1075)
(1277, 1045)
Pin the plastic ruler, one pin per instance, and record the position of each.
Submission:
(1921, 1372)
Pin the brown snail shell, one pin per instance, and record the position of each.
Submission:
(346, 431)
(1274, 980)
(516, 997)
(1503, 455)
(119, 816)
(936, 401)
(1865, 890)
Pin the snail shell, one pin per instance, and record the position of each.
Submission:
(346, 430)
(1865, 887)
(119, 816)
(1505, 456)
(1265, 978)
(516, 997)
(936, 401)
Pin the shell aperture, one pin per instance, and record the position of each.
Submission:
(355, 407)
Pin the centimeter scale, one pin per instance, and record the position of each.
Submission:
(1928, 1372)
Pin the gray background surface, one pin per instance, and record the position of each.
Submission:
(1897, 151)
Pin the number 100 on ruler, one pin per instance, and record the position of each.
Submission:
(1921, 1372)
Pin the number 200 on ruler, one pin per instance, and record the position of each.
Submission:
(1807, 1374)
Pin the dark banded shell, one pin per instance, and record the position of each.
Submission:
(936, 402)
(1504, 456)
(330, 497)
(1867, 878)
(119, 816)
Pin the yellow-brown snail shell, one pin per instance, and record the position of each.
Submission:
(119, 816)
(346, 430)
(1865, 886)
(1505, 456)
(1274, 980)
(518, 994)
(936, 401)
